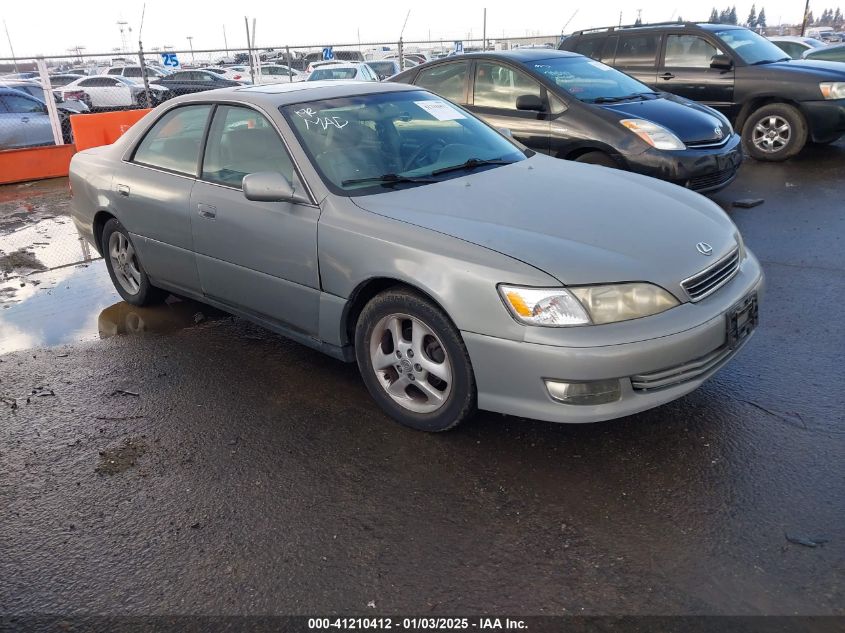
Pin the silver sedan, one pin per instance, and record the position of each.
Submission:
(383, 225)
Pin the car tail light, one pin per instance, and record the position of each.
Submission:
(236, 77)
(79, 95)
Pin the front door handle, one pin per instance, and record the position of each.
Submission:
(123, 190)
(667, 76)
(207, 210)
(24, 119)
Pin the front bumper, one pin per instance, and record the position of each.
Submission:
(510, 375)
(704, 169)
(826, 119)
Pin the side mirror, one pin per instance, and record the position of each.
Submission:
(721, 62)
(268, 186)
(530, 102)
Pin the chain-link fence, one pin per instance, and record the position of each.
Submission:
(38, 96)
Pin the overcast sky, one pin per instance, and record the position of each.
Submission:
(52, 26)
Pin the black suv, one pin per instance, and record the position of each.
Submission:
(777, 103)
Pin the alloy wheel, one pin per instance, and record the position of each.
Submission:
(124, 262)
(771, 134)
(411, 363)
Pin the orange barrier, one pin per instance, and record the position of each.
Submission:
(35, 163)
(102, 128)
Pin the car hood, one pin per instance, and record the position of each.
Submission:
(690, 122)
(820, 68)
(582, 224)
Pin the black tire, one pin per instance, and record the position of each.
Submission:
(459, 404)
(598, 158)
(782, 119)
(146, 293)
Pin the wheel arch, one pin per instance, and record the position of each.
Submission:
(100, 219)
(755, 103)
(366, 290)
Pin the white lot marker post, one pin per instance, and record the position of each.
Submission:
(50, 99)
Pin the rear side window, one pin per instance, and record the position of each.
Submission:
(447, 80)
(608, 52)
(637, 50)
(132, 72)
(22, 105)
(689, 51)
(173, 143)
(590, 47)
(115, 71)
(242, 141)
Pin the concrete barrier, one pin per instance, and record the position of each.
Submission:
(102, 128)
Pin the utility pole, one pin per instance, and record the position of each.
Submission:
(401, 45)
(147, 93)
(249, 51)
(225, 43)
(620, 18)
(484, 31)
(191, 44)
(11, 48)
(804, 22)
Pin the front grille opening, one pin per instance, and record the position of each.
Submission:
(711, 279)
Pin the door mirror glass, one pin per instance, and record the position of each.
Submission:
(721, 62)
(267, 186)
(530, 102)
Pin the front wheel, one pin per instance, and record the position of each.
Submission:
(413, 362)
(598, 158)
(774, 132)
(125, 269)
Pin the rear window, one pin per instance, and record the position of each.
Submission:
(329, 72)
(590, 47)
(637, 50)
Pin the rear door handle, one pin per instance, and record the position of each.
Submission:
(24, 119)
(207, 210)
(123, 190)
(667, 76)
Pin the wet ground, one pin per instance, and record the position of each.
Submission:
(176, 460)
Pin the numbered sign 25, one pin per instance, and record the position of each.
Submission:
(169, 60)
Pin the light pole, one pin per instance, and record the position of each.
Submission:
(11, 48)
(191, 44)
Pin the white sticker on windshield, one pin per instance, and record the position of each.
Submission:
(440, 110)
(599, 65)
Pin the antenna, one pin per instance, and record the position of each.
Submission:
(141, 28)
(572, 17)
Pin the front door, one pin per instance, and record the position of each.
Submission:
(686, 72)
(496, 89)
(260, 257)
(25, 122)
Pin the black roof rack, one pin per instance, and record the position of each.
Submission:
(634, 26)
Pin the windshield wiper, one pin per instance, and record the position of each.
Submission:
(472, 163)
(639, 95)
(386, 179)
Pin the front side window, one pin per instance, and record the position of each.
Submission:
(689, 51)
(589, 47)
(447, 80)
(373, 143)
(242, 141)
(637, 50)
(173, 142)
(588, 80)
(115, 71)
(498, 86)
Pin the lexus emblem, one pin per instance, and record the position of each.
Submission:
(704, 248)
(718, 131)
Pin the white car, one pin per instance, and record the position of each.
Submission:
(110, 91)
(134, 73)
(347, 71)
(270, 73)
(796, 46)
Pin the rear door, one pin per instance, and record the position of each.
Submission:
(153, 190)
(257, 256)
(636, 54)
(28, 121)
(496, 88)
(686, 71)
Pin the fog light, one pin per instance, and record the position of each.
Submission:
(593, 392)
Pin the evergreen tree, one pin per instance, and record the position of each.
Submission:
(810, 19)
(838, 20)
(638, 22)
(723, 16)
(751, 22)
(761, 19)
(732, 16)
(714, 16)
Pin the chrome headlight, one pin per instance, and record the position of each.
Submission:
(655, 135)
(833, 89)
(584, 305)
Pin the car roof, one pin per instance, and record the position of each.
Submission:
(281, 94)
(663, 26)
(518, 54)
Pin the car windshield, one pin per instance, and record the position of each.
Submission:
(333, 73)
(751, 47)
(372, 143)
(588, 80)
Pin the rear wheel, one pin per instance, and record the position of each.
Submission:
(125, 269)
(413, 362)
(774, 132)
(597, 158)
